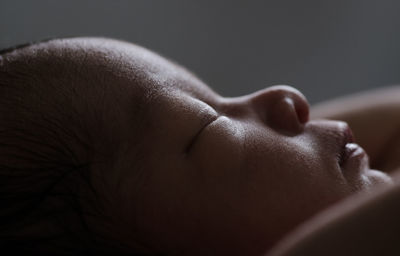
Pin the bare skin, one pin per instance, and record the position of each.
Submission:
(366, 224)
(374, 118)
(218, 175)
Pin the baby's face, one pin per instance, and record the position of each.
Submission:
(222, 175)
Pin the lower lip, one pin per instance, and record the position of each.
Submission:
(354, 157)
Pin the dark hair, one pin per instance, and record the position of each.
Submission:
(46, 191)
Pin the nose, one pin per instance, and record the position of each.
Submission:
(282, 107)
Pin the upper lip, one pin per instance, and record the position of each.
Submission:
(334, 136)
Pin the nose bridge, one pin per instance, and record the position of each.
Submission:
(239, 106)
(268, 96)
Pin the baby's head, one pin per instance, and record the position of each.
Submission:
(105, 144)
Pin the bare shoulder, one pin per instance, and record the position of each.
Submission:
(361, 225)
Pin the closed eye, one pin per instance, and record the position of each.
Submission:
(196, 136)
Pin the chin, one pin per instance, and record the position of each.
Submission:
(376, 177)
(371, 179)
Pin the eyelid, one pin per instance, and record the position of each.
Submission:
(195, 137)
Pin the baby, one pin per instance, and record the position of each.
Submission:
(106, 148)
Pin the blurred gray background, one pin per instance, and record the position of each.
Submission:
(324, 48)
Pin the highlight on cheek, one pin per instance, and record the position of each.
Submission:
(222, 133)
(232, 128)
(202, 116)
(161, 155)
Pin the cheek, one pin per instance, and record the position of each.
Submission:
(218, 154)
(287, 176)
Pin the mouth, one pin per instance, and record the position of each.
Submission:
(347, 145)
(351, 156)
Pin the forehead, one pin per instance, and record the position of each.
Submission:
(131, 80)
(141, 66)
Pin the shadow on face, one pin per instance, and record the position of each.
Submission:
(180, 168)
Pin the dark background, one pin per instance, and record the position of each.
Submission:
(324, 48)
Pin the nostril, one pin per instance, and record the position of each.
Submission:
(282, 107)
(283, 117)
(289, 113)
(298, 101)
(302, 110)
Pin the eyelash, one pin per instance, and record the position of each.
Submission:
(195, 137)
